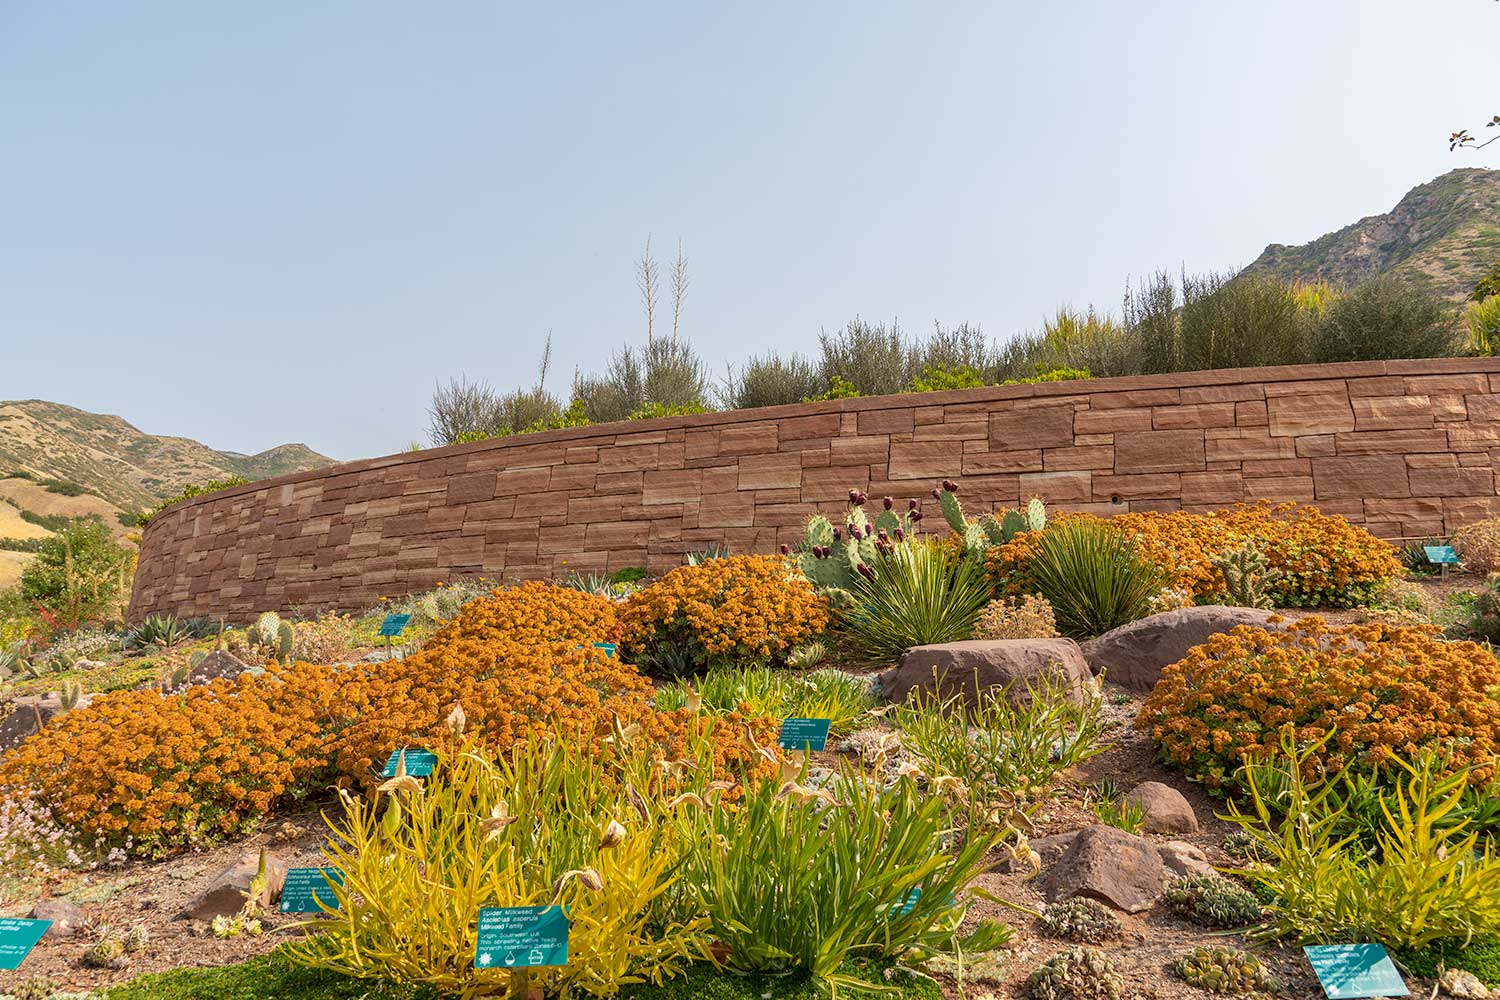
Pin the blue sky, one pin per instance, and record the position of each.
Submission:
(260, 223)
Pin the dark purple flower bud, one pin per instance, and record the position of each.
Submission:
(935, 494)
(900, 535)
(786, 550)
(911, 505)
(824, 552)
(868, 531)
(865, 571)
(950, 486)
(883, 536)
(916, 515)
(838, 533)
(853, 530)
(889, 503)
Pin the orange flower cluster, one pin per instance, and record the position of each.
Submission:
(179, 770)
(1324, 560)
(734, 609)
(168, 771)
(1378, 689)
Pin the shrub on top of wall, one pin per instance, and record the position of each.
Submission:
(1322, 559)
(721, 611)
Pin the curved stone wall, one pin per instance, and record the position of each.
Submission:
(1408, 448)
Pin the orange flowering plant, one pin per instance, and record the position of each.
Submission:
(720, 612)
(1323, 559)
(1374, 689)
(163, 771)
(158, 772)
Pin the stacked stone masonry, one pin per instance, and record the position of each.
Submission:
(1407, 448)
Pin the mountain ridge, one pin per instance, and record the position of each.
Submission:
(112, 458)
(1443, 234)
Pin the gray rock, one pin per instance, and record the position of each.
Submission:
(988, 665)
(1117, 868)
(67, 918)
(226, 893)
(1048, 848)
(1133, 655)
(1166, 809)
(28, 714)
(216, 665)
(1182, 858)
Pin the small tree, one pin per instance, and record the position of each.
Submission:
(79, 574)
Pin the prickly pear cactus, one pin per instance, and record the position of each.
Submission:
(981, 533)
(1223, 970)
(834, 556)
(1036, 514)
(196, 658)
(263, 632)
(286, 635)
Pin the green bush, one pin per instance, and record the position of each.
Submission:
(771, 380)
(1093, 577)
(1384, 318)
(778, 694)
(916, 593)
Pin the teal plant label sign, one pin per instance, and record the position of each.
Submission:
(908, 904)
(608, 647)
(393, 625)
(17, 938)
(521, 937)
(306, 887)
(419, 763)
(1349, 971)
(805, 734)
(1441, 554)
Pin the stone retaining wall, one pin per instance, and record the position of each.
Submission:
(1408, 448)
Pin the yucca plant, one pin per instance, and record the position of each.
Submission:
(799, 879)
(1093, 577)
(1427, 878)
(916, 593)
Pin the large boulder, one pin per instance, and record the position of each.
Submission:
(985, 666)
(216, 665)
(1117, 868)
(1133, 655)
(1165, 809)
(226, 894)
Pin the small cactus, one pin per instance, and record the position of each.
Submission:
(1076, 974)
(263, 632)
(1224, 970)
(38, 987)
(1085, 921)
(1213, 900)
(70, 694)
(1248, 576)
(196, 658)
(106, 953)
(806, 657)
(286, 635)
(137, 940)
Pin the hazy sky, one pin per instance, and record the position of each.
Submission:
(260, 223)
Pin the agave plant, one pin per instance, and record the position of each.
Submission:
(158, 630)
(915, 594)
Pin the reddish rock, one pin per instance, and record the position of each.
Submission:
(1116, 868)
(1133, 655)
(1166, 809)
(989, 666)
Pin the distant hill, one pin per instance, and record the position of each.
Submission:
(1444, 234)
(115, 461)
